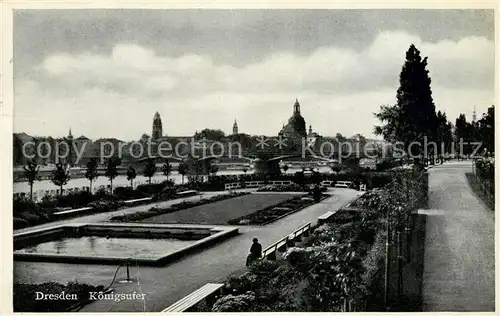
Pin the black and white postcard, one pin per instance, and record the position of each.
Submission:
(248, 159)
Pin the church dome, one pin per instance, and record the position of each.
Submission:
(297, 123)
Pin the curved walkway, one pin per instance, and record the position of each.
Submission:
(459, 263)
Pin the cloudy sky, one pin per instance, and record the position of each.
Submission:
(106, 72)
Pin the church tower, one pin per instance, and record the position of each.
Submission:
(157, 127)
(296, 107)
(69, 159)
(235, 127)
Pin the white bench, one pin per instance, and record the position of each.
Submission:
(194, 298)
(323, 218)
(343, 184)
(76, 210)
(137, 200)
(187, 193)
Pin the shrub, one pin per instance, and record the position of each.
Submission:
(127, 193)
(105, 206)
(20, 223)
(150, 188)
(235, 303)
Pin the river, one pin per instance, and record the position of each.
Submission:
(121, 180)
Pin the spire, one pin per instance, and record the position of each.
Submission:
(235, 127)
(69, 134)
(296, 107)
(474, 114)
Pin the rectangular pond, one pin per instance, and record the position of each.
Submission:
(116, 243)
(109, 247)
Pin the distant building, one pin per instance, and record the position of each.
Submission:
(157, 127)
(296, 127)
(145, 138)
(235, 128)
(312, 137)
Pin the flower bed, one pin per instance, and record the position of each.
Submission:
(154, 211)
(274, 212)
(25, 296)
(281, 188)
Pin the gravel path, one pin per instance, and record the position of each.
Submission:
(459, 264)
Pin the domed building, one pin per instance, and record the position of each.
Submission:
(296, 127)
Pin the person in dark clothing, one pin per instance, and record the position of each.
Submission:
(255, 251)
(316, 193)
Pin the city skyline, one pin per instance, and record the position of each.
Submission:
(202, 69)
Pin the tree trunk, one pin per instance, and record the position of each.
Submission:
(31, 191)
(61, 190)
(182, 178)
(132, 183)
(149, 180)
(90, 187)
(111, 188)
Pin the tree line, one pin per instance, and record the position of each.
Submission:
(61, 174)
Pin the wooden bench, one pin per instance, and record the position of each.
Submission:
(137, 200)
(187, 193)
(74, 211)
(343, 184)
(187, 302)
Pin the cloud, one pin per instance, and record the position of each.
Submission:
(192, 91)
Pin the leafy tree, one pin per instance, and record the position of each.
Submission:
(182, 169)
(486, 129)
(245, 169)
(166, 169)
(210, 134)
(340, 138)
(149, 169)
(112, 170)
(444, 134)
(91, 173)
(60, 176)
(131, 175)
(31, 174)
(414, 115)
(464, 134)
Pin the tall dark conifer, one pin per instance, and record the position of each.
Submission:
(414, 115)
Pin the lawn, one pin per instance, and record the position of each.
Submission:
(222, 211)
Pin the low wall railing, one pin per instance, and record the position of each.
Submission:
(287, 241)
